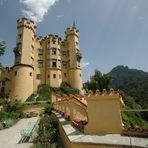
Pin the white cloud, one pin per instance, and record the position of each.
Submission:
(84, 64)
(37, 9)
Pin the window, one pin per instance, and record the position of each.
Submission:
(65, 64)
(40, 64)
(3, 83)
(80, 75)
(65, 53)
(48, 76)
(30, 73)
(54, 41)
(54, 63)
(59, 76)
(54, 76)
(38, 76)
(2, 90)
(15, 73)
(40, 52)
(64, 74)
(53, 51)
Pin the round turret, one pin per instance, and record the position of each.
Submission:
(24, 51)
(72, 31)
(74, 70)
(22, 82)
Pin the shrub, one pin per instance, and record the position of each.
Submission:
(48, 110)
(11, 112)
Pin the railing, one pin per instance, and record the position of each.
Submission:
(27, 133)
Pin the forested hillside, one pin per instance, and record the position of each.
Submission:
(132, 82)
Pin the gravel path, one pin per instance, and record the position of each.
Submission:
(10, 137)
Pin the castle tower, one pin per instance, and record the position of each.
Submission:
(22, 77)
(52, 60)
(75, 75)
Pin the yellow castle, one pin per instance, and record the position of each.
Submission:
(41, 60)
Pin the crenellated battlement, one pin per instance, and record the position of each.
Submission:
(72, 31)
(110, 93)
(8, 69)
(51, 37)
(24, 22)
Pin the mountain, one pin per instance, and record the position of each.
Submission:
(132, 82)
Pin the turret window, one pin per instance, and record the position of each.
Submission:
(59, 76)
(40, 52)
(65, 53)
(54, 76)
(3, 83)
(53, 41)
(40, 64)
(64, 74)
(54, 63)
(53, 51)
(38, 76)
(65, 64)
(15, 73)
(30, 73)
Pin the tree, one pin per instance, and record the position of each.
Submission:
(2, 48)
(99, 81)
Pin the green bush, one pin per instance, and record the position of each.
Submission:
(44, 92)
(11, 113)
(47, 131)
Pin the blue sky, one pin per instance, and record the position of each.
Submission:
(112, 32)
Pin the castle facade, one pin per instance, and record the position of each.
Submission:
(41, 60)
